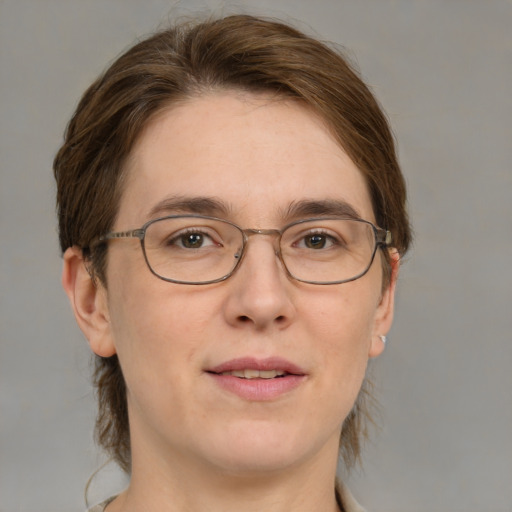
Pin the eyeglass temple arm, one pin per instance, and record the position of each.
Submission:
(384, 237)
(134, 233)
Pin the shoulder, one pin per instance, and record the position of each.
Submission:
(101, 506)
(349, 502)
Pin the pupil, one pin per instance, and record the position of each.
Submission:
(315, 242)
(193, 240)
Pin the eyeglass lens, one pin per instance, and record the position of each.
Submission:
(198, 250)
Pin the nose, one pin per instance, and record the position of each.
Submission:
(260, 290)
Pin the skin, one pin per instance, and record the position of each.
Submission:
(196, 446)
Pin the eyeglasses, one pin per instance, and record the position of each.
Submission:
(197, 249)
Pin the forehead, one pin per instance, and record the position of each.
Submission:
(256, 156)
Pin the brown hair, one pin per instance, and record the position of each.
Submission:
(237, 52)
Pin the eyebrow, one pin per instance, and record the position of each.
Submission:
(215, 207)
(199, 205)
(321, 208)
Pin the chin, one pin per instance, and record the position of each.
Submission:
(265, 449)
(258, 464)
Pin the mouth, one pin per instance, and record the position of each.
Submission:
(253, 368)
(257, 379)
(256, 374)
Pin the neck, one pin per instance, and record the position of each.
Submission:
(181, 485)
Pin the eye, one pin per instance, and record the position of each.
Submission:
(191, 239)
(316, 241)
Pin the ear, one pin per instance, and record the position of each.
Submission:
(385, 309)
(89, 303)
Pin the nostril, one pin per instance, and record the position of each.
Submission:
(244, 319)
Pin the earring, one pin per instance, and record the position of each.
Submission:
(383, 339)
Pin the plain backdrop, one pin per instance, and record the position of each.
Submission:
(443, 71)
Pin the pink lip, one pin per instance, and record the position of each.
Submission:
(258, 389)
(251, 363)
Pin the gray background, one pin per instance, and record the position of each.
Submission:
(443, 70)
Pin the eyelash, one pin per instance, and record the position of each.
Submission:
(177, 238)
(334, 240)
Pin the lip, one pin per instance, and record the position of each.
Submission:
(252, 363)
(258, 389)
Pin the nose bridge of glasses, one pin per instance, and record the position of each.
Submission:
(266, 232)
(275, 233)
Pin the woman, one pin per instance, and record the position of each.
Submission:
(260, 177)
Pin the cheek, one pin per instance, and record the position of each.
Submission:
(342, 316)
(148, 314)
(341, 326)
(156, 331)
(159, 339)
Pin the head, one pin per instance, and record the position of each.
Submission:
(238, 55)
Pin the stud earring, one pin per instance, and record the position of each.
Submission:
(383, 339)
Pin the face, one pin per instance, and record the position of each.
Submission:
(254, 158)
